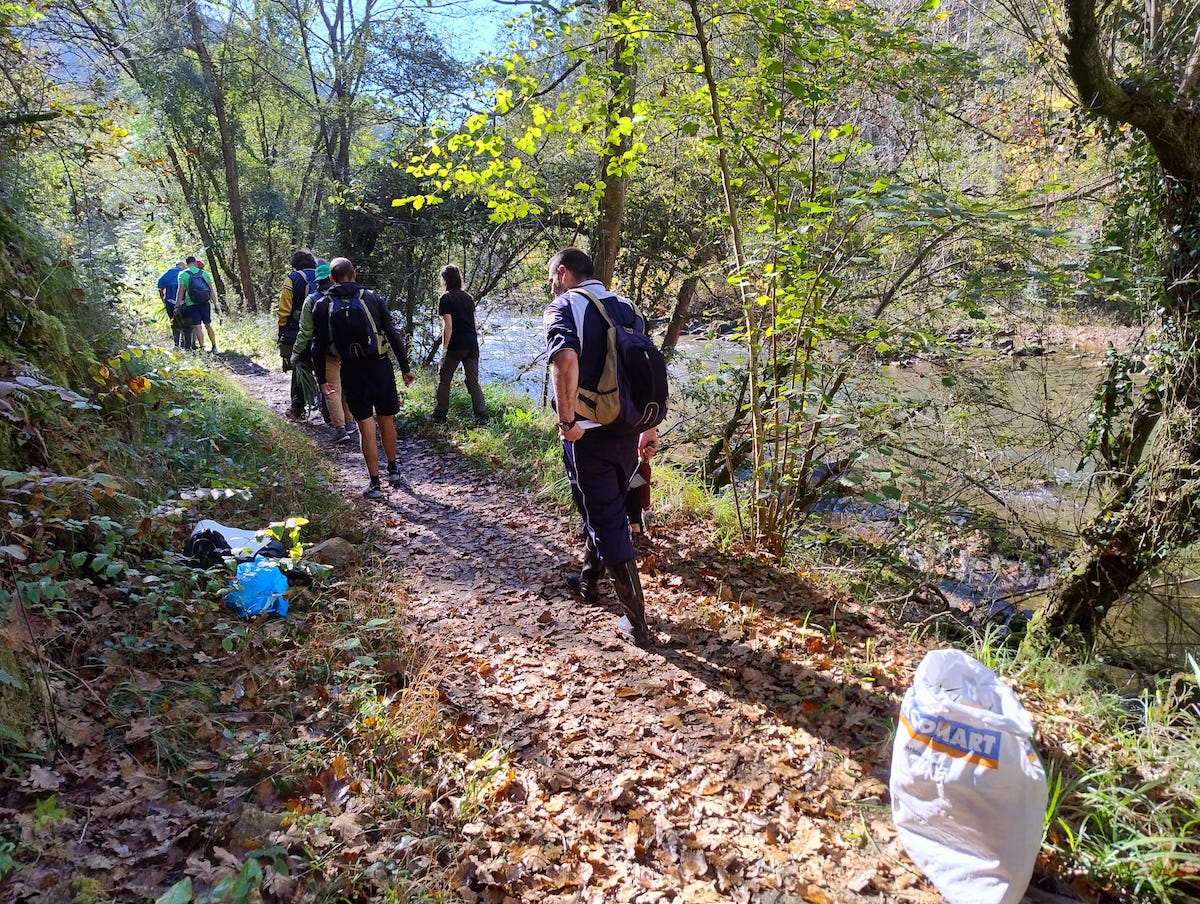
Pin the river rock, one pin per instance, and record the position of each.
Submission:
(334, 552)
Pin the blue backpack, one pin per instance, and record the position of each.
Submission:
(631, 394)
(198, 288)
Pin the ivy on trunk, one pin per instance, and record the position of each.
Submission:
(1151, 505)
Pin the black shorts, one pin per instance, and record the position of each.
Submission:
(369, 388)
(198, 312)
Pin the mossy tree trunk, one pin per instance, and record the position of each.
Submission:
(1152, 502)
(228, 155)
(622, 78)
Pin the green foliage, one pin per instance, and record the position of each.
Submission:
(7, 862)
(841, 260)
(47, 813)
(288, 532)
(45, 315)
(1122, 805)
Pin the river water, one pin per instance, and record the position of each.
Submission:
(1011, 427)
(513, 345)
(1029, 414)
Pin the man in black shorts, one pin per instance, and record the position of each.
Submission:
(193, 300)
(354, 324)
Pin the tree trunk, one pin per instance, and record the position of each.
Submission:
(1152, 506)
(196, 208)
(228, 155)
(679, 316)
(606, 242)
(120, 50)
(724, 451)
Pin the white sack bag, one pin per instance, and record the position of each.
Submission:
(968, 788)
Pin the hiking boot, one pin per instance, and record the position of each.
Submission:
(587, 583)
(437, 417)
(393, 472)
(374, 490)
(589, 594)
(481, 420)
(629, 592)
(341, 435)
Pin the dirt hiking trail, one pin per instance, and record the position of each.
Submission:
(744, 758)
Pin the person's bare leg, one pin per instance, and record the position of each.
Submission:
(387, 430)
(370, 449)
(339, 415)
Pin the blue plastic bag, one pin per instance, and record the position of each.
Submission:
(259, 586)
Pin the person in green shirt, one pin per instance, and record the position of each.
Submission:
(343, 423)
(196, 303)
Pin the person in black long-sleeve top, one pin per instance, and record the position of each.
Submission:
(351, 323)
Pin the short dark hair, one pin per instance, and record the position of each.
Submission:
(576, 260)
(340, 269)
(303, 259)
(190, 259)
(451, 276)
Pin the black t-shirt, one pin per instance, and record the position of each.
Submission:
(461, 308)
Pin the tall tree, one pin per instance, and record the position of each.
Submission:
(621, 48)
(216, 97)
(1139, 65)
(372, 67)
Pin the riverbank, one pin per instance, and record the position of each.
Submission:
(437, 719)
(746, 756)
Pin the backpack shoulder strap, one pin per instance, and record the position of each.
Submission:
(604, 310)
(299, 291)
(596, 301)
(367, 310)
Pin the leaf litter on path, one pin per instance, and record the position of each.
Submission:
(743, 759)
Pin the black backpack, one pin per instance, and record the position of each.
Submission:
(198, 288)
(352, 330)
(631, 394)
(301, 288)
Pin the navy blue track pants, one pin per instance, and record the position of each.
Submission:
(599, 465)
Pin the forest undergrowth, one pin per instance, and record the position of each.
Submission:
(154, 746)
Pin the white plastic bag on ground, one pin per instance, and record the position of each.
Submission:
(241, 542)
(968, 789)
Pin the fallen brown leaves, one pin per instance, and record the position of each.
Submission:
(181, 744)
(741, 759)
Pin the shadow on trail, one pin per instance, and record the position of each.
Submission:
(797, 654)
(242, 365)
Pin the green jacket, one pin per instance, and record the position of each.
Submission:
(306, 326)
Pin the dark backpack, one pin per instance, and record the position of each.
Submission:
(198, 288)
(631, 395)
(301, 289)
(352, 330)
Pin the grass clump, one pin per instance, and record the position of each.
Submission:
(520, 443)
(1124, 775)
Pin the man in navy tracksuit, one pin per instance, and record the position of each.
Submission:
(599, 462)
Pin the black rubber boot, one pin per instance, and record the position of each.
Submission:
(629, 592)
(587, 582)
